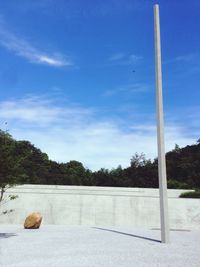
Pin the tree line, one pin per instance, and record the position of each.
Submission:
(23, 163)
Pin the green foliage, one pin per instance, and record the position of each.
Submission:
(173, 184)
(76, 174)
(138, 160)
(191, 194)
(183, 166)
(7, 211)
(4, 199)
(12, 197)
(9, 163)
(176, 148)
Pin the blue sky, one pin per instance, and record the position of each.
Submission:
(77, 77)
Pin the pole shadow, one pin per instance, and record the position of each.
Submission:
(122, 233)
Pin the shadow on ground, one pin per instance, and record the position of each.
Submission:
(122, 233)
(6, 235)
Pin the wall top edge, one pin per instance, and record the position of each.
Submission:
(95, 190)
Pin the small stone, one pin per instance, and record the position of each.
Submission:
(33, 221)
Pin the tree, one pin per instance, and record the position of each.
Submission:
(9, 167)
(103, 177)
(138, 160)
(75, 173)
(33, 163)
(177, 148)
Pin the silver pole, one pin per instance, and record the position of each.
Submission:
(164, 220)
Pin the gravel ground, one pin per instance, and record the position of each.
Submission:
(80, 246)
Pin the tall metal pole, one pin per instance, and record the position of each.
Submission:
(164, 220)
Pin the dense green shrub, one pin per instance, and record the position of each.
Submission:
(191, 194)
(173, 184)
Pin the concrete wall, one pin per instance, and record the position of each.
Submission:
(100, 206)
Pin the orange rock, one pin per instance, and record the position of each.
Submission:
(33, 221)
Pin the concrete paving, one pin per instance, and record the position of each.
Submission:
(78, 246)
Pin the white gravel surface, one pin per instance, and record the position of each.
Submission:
(80, 246)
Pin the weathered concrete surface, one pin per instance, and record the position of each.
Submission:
(105, 206)
(52, 246)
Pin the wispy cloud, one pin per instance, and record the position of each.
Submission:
(127, 89)
(124, 59)
(117, 56)
(41, 111)
(25, 49)
(187, 118)
(186, 63)
(68, 132)
(187, 58)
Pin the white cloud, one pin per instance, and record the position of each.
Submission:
(190, 58)
(117, 56)
(40, 111)
(26, 50)
(124, 59)
(127, 89)
(72, 132)
(186, 58)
